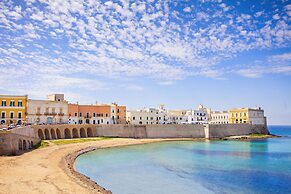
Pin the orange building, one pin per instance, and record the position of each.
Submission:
(97, 114)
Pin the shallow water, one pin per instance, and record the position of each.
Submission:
(256, 166)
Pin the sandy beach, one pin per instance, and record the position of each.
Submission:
(50, 169)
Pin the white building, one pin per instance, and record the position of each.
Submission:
(54, 110)
(178, 116)
(147, 116)
(219, 117)
(197, 116)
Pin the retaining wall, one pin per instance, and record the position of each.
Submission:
(12, 144)
(226, 130)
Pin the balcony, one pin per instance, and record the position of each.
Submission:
(51, 114)
(61, 114)
(87, 117)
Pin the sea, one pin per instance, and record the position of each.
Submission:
(216, 166)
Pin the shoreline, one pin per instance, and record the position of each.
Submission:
(52, 169)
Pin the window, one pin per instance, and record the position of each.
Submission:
(106, 115)
(118, 117)
(76, 114)
(112, 110)
(20, 103)
(140, 118)
(61, 110)
(12, 103)
(19, 115)
(94, 114)
(140, 122)
(3, 102)
(38, 110)
(147, 118)
(3, 115)
(11, 115)
(47, 110)
(87, 115)
(80, 114)
(117, 110)
(53, 110)
(133, 118)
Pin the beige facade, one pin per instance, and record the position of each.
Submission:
(51, 111)
(219, 117)
(147, 116)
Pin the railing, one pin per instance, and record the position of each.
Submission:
(61, 114)
(47, 113)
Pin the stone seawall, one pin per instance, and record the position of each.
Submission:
(151, 131)
(226, 130)
(22, 139)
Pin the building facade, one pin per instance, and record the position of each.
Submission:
(13, 109)
(148, 116)
(54, 110)
(97, 114)
(253, 116)
(219, 117)
(178, 116)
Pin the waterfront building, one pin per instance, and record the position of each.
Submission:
(13, 109)
(53, 110)
(253, 116)
(148, 116)
(97, 114)
(219, 117)
(196, 116)
(178, 116)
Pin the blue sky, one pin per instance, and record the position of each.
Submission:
(221, 53)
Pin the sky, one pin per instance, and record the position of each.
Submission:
(219, 53)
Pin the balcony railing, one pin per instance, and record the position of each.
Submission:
(61, 114)
(50, 113)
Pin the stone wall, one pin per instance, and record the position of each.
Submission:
(226, 130)
(12, 144)
(21, 139)
(151, 131)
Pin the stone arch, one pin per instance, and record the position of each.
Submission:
(68, 133)
(24, 145)
(19, 144)
(40, 134)
(83, 132)
(75, 133)
(53, 134)
(89, 132)
(59, 136)
(47, 134)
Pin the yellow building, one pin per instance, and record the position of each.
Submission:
(247, 115)
(13, 109)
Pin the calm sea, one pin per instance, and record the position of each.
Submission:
(257, 166)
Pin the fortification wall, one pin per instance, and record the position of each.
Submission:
(11, 143)
(226, 130)
(175, 131)
(151, 131)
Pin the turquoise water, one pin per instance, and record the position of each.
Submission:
(257, 166)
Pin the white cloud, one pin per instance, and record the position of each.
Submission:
(187, 9)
